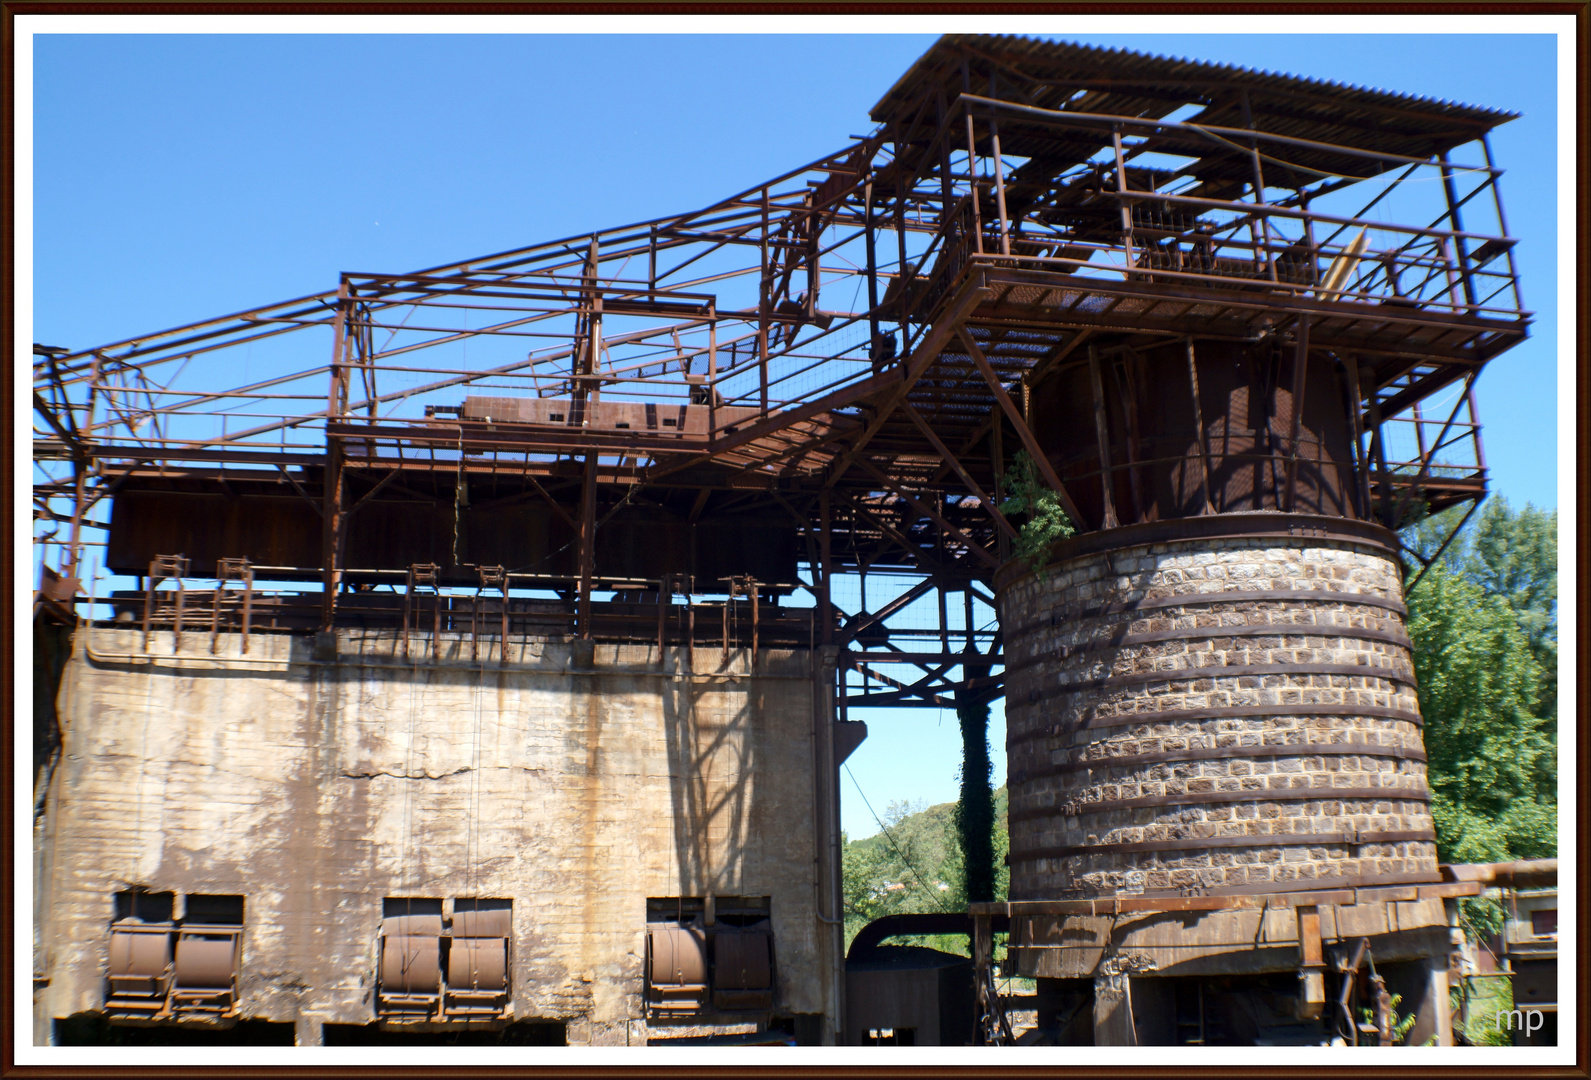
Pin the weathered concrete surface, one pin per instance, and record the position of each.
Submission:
(315, 789)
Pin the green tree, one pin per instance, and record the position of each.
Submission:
(915, 863)
(900, 868)
(1515, 556)
(1509, 554)
(1482, 621)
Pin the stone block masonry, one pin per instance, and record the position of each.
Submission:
(1216, 714)
(316, 788)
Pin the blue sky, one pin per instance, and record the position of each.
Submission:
(178, 177)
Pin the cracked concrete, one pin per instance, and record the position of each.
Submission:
(405, 776)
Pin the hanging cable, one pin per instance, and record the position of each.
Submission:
(885, 829)
(473, 836)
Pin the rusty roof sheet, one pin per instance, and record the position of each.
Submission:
(1070, 77)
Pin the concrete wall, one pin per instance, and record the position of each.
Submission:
(316, 782)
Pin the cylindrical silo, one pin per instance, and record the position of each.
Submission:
(1209, 688)
(1232, 709)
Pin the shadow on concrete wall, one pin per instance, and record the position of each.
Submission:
(712, 758)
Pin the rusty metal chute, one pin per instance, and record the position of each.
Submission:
(410, 967)
(206, 971)
(478, 961)
(140, 968)
(743, 967)
(676, 969)
(166, 968)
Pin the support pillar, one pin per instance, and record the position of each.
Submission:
(588, 539)
(1423, 986)
(826, 817)
(43, 1023)
(308, 1031)
(1113, 1022)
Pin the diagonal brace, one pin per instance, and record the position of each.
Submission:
(916, 365)
(1023, 431)
(960, 469)
(928, 512)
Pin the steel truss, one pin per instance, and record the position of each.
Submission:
(847, 352)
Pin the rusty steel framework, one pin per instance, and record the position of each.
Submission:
(825, 375)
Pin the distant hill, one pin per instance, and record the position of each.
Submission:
(915, 864)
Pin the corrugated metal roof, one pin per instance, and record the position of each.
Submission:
(1079, 78)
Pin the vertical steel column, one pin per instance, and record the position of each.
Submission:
(872, 273)
(944, 614)
(1300, 369)
(176, 623)
(825, 604)
(997, 463)
(332, 479)
(1103, 435)
(1419, 435)
(751, 583)
(665, 595)
(728, 603)
(475, 631)
(1198, 428)
(408, 606)
(1457, 223)
(900, 238)
(983, 977)
(593, 329)
(1309, 240)
(712, 356)
(1379, 452)
(972, 162)
(332, 525)
(1492, 173)
(74, 551)
(149, 601)
(1361, 458)
(999, 175)
(248, 606)
(946, 194)
(764, 303)
(814, 276)
(367, 346)
(1450, 271)
(82, 466)
(826, 816)
(1126, 206)
(588, 531)
(1475, 428)
(1258, 182)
